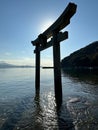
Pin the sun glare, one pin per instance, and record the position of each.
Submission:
(45, 24)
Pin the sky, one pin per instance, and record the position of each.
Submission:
(21, 21)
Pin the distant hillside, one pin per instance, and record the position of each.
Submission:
(85, 57)
(6, 65)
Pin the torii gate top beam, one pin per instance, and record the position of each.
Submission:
(59, 24)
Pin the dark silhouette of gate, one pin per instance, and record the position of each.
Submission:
(41, 43)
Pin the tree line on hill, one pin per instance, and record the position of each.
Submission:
(85, 57)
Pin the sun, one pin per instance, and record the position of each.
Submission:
(45, 24)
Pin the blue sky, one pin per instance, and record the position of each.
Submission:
(21, 21)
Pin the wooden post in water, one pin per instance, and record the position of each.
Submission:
(57, 68)
(37, 70)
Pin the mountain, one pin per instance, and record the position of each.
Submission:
(85, 57)
(7, 65)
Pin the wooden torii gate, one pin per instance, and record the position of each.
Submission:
(41, 43)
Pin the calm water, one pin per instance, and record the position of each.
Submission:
(22, 109)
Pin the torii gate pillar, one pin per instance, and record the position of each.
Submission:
(57, 68)
(37, 70)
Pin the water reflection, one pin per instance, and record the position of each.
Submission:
(13, 114)
(50, 115)
(89, 76)
(45, 112)
(23, 109)
(81, 97)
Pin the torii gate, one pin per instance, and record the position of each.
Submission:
(41, 43)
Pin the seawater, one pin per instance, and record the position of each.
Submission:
(22, 109)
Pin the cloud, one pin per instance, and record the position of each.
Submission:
(46, 62)
(21, 61)
(7, 53)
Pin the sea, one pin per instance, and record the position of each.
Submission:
(21, 108)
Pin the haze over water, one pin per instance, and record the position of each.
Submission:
(22, 109)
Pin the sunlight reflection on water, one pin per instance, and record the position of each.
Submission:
(21, 108)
